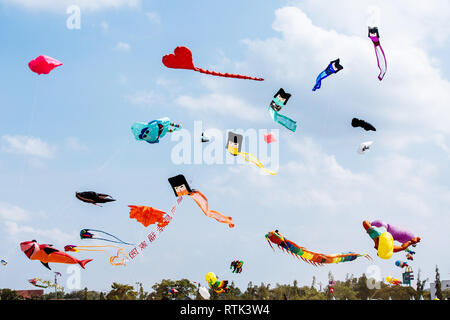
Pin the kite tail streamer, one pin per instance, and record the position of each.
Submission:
(384, 68)
(227, 75)
(112, 259)
(175, 127)
(202, 202)
(252, 159)
(319, 79)
(286, 122)
(118, 240)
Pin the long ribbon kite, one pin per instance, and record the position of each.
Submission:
(181, 58)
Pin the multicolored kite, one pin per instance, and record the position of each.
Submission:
(310, 256)
(234, 146)
(214, 283)
(154, 130)
(181, 58)
(279, 101)
(401, 264)
(383, 235)
(236, 265)
(393, 281)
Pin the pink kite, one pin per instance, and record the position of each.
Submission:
(43, 64)
(182, 59)
(269, 137)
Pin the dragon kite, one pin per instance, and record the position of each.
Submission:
(311, 257)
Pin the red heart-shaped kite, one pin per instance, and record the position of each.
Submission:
(181, 58)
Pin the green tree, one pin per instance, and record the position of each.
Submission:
(142, 294)
(437, 284)
(186, 290)
(121, 292)
(395, 292)
(233, 294)
(419, 286)
(8, 294)
(362, 289)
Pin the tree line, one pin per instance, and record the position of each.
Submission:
(352, 288)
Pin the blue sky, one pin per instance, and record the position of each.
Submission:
(70, 131)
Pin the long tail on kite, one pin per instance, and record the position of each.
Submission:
(202, 202)
(317, 259)
(227, 75)
(181, 58)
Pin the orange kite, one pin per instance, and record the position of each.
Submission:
(202, 202)
(148, 216)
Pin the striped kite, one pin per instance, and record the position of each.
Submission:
(309, 256)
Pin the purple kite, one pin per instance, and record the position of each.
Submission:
(375, 37)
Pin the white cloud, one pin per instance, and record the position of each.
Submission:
(74, 144)
(104, 25)
(409, 107)
(13, 212)
(61, 5)
(143, 98)
(123, 46)
(28, 146)
(153, 17)
(29, 233)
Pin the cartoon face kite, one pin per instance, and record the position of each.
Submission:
(234, 146)
(181, 188)
(279, 101)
